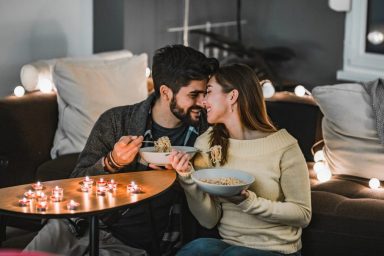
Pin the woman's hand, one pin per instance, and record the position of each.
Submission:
(179, 162)
(237, 199)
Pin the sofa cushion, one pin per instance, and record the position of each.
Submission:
(86, 89)
(352, 146)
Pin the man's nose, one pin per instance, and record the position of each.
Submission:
(200, 100)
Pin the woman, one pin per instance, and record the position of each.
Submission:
(266, 219)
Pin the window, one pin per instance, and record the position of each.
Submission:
(364, 42)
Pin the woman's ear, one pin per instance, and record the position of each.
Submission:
(165, 92)
(233, 96)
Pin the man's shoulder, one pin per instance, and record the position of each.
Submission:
(140, 108)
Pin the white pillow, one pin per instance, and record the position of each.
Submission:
(31, 73)
(87, 88)
(352, 145)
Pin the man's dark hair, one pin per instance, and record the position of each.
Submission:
(176, 66)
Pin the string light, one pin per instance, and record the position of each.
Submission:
(45, 85)
(374, 183)
(147, 72)
(268, 88)
(19, 91)
(301, 91)
(320, 167)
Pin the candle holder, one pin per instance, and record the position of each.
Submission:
(85, 187)
(57, 194)
(37, 186)
(112, 185)
(88, 181)
(41, 197)
(30, 194)
(134, 188)
(72, 205)
(41, 206)
(101, 183)
(100, 191)
(24, 202)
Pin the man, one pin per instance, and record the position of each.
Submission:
(175, 110)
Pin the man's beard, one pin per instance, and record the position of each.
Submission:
(181, 115)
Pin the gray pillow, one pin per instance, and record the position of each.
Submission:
(87, 88)
(352, 145)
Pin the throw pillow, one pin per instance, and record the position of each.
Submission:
(352, 145)
(87, 88)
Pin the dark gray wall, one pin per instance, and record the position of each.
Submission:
(309, 27)
(41, 29)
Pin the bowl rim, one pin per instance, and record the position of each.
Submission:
(189, 148)
(221, 185)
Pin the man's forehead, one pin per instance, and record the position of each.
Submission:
(194, 85)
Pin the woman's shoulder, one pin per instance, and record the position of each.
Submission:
(281, 138)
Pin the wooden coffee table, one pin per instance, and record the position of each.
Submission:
(152, 183)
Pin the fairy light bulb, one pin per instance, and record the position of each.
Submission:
(45, 85)
(324, 175)
(319, 156)
(374, 183)
(300, 90)
(319, 167)
(147, 72)
(19, 91)
(268, 89)
(375, 37)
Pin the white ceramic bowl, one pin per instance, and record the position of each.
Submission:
(160, 159)
(217, 173)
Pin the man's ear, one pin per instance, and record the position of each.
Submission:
(166, 92)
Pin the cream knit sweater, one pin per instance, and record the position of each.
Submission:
(279, 202)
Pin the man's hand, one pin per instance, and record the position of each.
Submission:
(126, 149)
(179, 161)
(237, 198)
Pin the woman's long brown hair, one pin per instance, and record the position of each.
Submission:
(251, 104)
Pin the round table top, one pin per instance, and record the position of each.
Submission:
(151, 184)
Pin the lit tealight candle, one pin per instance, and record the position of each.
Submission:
(134, 188)
(29, 194)
(72, 205)
(112, 185)
(100, 191)
(37, 186)
(41, 197)
(24, 202)
(84, 187)
(101, 182)
(57, 194)
(42, 206)
(88, 181)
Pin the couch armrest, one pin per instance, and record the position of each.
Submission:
(27, 129)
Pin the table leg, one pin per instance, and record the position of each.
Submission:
(3, 229)
(94, 236)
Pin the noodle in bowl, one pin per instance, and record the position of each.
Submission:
(151, 156)
(221, 181)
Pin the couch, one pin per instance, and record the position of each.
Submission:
(347, 215)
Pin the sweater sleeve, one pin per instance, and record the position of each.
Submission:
(295, 208)
(99, 143)
(205, 208)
